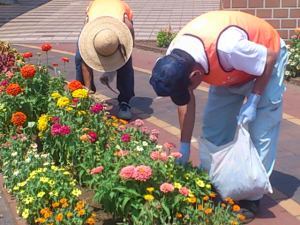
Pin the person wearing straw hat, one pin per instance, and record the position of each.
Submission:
(242, 57)
(105, 44)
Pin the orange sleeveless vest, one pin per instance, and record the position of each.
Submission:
(208, 28)
(114, 8)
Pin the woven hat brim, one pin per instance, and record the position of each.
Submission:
(89, 53)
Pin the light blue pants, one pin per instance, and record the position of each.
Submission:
(223, 106)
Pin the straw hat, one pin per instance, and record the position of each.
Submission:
(105, 44)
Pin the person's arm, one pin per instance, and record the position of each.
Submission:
(262, 81)
(129, 24)
(186, 116)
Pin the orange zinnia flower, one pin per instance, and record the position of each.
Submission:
(81, 212)
(63, 200)
(46, 47)
(13, 89)
(179, 215)
(55, 204)
(205, 198)
(27, 55)
(65, 59)
(241, 217)
(18, 118)
(28, 71)
(74, 85)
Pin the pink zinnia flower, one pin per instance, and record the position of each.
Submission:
(121, 153)
(145, 130)
(184, 191)
(65, 130)
(9, 74)
(92, 136)
(169, 145)
(155, 132)
(155, 155)
(96, 108)
(4, 83)
(126, 138)
(55, 119)
(176, 155)
(127, 172)
(55, 129)
(138, 123)
(166, 187)
(142, 173)
(97, 170)
(163, 156)
(153, 138)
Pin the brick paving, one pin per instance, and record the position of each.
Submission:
(42, 20)
(61, 20)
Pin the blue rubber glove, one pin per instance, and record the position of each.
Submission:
(248, 110)
(184, 149)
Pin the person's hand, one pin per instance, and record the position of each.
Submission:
(248, 110)
(184, 149)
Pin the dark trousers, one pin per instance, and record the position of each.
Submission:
(125, 78)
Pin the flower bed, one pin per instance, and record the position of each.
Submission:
(56, 141)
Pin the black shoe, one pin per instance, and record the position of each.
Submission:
(124, 111)
(249, 209)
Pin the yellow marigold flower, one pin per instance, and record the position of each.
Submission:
(150, 189)
(40, 220)
(192, 200)
(54, 168)
(208, 211)
(42, 123)
(179, 215)
(63, 102)
(200, 183)
(69, 215)
(44, 179)
(205, 198)
(234, 223)
(16, 188)
(90, 221)
(149, 197)
(81, 112)
(63, 200)
(25, 213)
(55, 95)
(53, 193)
(177, 185)
(59, 217)
(208, 186)
(81, 212)
(241, 217)
(22, 184)
(236, 208)
(200, 207)
(76, 192)
(68, 109)
(80, 93)
(41, 194)
(55, 204)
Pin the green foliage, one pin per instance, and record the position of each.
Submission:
(165, 37)
(293, 66)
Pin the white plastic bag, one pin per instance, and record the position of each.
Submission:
(235, 169)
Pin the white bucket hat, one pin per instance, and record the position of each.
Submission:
(105, 44)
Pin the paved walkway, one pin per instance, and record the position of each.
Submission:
(61, 20)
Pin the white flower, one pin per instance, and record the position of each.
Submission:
(27, 160)
(44, 155)
(118, 147)
(34, 146)
(16, 172)
(14, 154)
(46, 164)
(145, 143)
(139, 148)
(158, 147)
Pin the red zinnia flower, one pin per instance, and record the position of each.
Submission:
(27, 55)
(28, 71)
(74, 85)
(18, 118)
(13, 89)
(97, 170)
(65, 59)
(46, 47)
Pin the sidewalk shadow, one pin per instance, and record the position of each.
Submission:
(9, 12)
(140, 107)
(282, 191)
